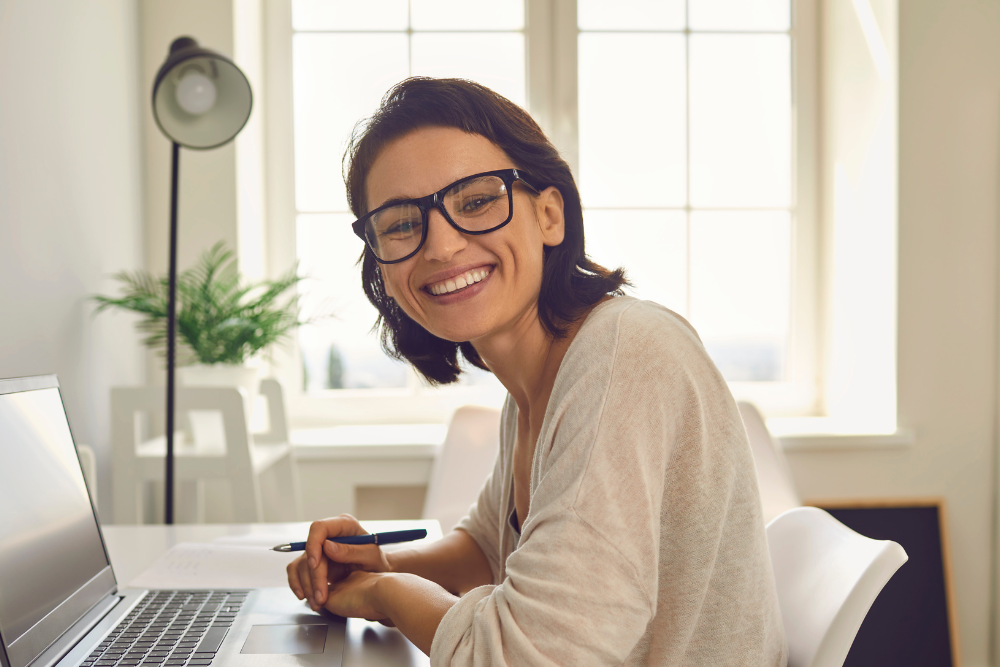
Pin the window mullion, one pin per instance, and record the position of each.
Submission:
(550, 44)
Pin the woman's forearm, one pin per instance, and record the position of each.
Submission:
(415, 606)
(454, 562)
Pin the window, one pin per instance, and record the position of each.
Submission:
(683, 126)
(685, 168)
(384, 43)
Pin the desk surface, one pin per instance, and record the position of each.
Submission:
(134, 548)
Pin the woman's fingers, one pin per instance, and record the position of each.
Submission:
(298, 577)
(340, 571)
(367, 556)
(319, 531)
(352, 597)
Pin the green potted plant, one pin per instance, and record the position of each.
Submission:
(222, 320)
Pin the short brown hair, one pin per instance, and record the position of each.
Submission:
(571, 282)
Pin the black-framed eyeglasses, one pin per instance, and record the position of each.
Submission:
(477, 204)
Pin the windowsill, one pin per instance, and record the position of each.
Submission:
(816, 434)
(423, 441)
(369, 441)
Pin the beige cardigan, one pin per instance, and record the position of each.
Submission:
(644, 543)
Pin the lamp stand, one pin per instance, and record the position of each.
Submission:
(168, 478)
(201, 100)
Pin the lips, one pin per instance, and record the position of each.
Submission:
(458, 282)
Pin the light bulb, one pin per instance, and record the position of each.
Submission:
(195, 93)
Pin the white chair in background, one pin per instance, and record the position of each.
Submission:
(262, 475)
(277, 421)
(466, 459)
(827, 578)
(774, 477)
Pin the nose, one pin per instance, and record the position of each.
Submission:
(443, 240)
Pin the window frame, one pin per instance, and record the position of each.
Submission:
(551, 81)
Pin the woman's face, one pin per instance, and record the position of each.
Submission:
(502, 269)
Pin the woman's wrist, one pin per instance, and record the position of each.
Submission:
(385, 593)
(396, 560)
(413, 604)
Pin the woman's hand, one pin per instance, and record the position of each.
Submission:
(326, 563)
(356, 596)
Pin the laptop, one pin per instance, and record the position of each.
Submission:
(60, 604)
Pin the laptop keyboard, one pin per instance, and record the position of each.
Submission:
(170, 629)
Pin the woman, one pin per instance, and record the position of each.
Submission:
(622, 522)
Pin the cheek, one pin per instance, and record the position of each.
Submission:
(530, 249)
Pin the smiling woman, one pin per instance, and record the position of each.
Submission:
(622, 522)
(481, 122)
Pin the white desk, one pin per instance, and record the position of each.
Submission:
(135, 548)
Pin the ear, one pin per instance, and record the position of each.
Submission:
(549, 211)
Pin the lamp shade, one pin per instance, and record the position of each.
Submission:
(201, 99)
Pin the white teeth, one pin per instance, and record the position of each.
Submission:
(458, 282)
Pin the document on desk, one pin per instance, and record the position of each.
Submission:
(198, 565)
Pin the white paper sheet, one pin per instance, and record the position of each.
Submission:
(192, 565)
(263, 540)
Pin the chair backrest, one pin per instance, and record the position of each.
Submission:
(465, 461)
(277, 420)
(134, 461)
(774, 477)
(827, 578)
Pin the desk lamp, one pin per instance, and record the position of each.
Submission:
(201, 100)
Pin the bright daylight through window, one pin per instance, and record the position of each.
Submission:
(685, 144)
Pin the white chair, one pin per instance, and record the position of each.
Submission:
(774, 477)
(274, 396)
(255, 470)
(827, 578)
(465, 461)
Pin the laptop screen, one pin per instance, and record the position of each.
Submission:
(50, 545)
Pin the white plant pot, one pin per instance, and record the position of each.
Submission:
(207, 429)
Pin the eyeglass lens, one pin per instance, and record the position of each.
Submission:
(475, 205)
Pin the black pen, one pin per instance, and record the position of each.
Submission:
(390, 537)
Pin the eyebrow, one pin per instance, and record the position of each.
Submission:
(395, 200)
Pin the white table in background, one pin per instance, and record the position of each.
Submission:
(135, 548)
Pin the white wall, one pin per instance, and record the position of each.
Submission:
(207, 195)
(70, 201)
(220, 191)
(949, 186)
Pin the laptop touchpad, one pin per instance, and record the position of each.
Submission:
(286, 639)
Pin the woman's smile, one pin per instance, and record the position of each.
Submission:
(460, 281)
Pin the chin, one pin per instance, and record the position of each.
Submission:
(458, 335)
